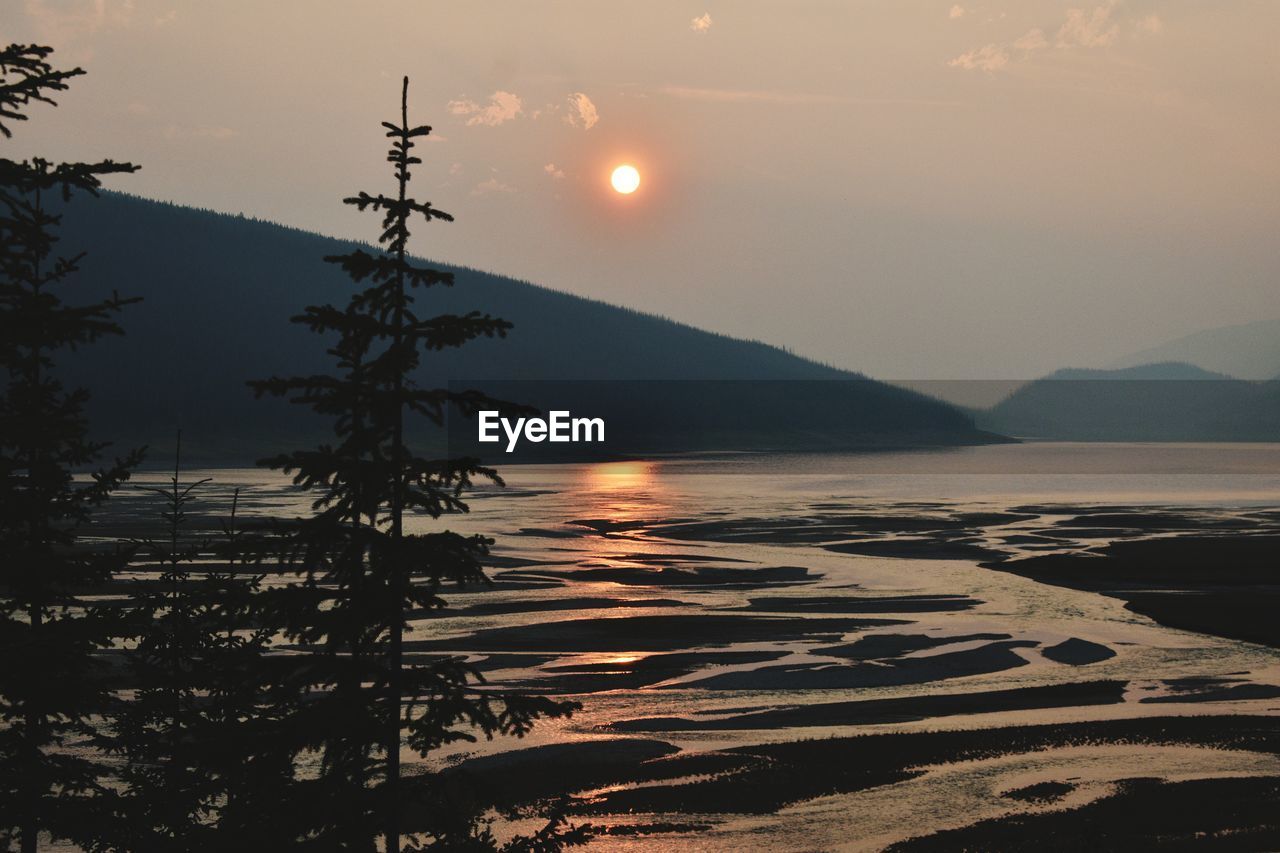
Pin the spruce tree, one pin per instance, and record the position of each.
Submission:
(206, 763)
(249, 693)
(169, 797)
(362, 571)
(52, 691)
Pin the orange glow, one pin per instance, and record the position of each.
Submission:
(613, 476)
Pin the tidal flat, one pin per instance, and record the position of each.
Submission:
(982, 649)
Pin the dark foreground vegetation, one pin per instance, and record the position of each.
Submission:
(156, 693)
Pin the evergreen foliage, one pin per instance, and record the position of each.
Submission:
(168, 795)
(206, 764)
(366, 560)
(52, 689)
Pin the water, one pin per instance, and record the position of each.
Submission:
(667, 551)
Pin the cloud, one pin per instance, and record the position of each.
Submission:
(991, 57)
(957, 11)
(1088, 29)
(582, 113)
(502, 107)
(701, 24)
(554, 172)
(69, 22)
(1032, 39)
(1082, 29)
(79, 16)
(493, 185)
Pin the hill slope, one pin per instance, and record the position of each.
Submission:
(218, 291)
(1248, 351)
(1169, 401)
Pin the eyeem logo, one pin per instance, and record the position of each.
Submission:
(558, 427)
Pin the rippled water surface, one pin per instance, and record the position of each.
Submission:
(716, 603)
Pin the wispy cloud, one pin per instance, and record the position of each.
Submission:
(582, 112)
(957, 11)
(493, 185)
(552, 170)
(1151, 24)
(79, 16)
(991, 57)
(1094, 28)
(502, 107)
(71, 22)
(1032, 39)
(1097, 27)
(702, 23)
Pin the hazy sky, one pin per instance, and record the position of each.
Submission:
(911, 189)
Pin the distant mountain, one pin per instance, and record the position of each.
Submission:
(1248, 351)
(1170, 401)
(218, 292)
(1163, 371)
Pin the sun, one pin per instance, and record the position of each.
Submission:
(625, 179)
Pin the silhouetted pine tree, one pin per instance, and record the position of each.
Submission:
(363, 571)
(50, 690)
(206, 764)
(250, 697)
(169, 796)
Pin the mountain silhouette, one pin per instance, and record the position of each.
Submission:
(1245, 351)
(1169, 401)
(218, 291)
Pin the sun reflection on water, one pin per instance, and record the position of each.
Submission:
(620, 492)
(618, 499)
(615, 476)
(619, 659)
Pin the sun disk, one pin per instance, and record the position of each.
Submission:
(625, 179)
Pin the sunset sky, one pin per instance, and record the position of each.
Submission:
(911, 189)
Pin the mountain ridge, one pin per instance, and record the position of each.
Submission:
(218, 291)
(1167, 401)
(1241, 351)
(1162, 371)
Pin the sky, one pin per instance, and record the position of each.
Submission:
(914, 190)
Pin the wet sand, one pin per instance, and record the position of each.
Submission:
(1226, 584)
(822, 671)
(736, 763)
